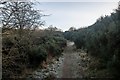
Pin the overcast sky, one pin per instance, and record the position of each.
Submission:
(78, 14)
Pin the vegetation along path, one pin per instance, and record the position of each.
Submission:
(69, 65)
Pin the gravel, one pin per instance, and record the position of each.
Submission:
(53, 69)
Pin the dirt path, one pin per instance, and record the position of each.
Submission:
(71, 64)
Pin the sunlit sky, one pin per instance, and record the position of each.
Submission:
(74, 14)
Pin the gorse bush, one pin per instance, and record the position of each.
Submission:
(55, 45)
(28, 50)
(37, 54)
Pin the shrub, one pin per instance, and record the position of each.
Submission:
(37, 55)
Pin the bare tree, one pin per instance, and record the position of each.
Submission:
(20, 15)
